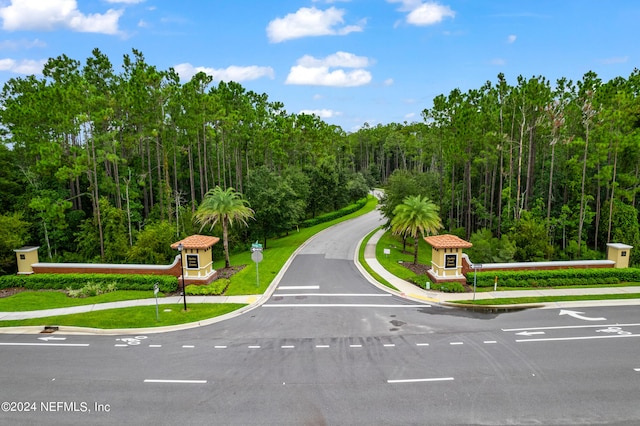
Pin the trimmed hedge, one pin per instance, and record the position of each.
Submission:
(556, 277)
(445, 287)
(328, 217)
(166, 283)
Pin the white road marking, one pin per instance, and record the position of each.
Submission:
(563, 327)
(339, 305)
(299, 287)
(388, 345)
(155, 346)
(636, 369)
(287, 346)
(456, 343)
(355, 346)
(220, 347)
(323, 346)
(45, 344)
(422, 344)
(188, 346)
(550, 339)
(120, 345)
(254, 346)
(334, 295)
(490, 341)
(436, 379)
(174, 381)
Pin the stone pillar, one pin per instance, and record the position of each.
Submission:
(26, 257)
(619, 253)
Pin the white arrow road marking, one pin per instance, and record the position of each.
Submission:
(46, 339)
(529, 333)
(46, 344)
(568, 327)
(577, 315)
(559, 339)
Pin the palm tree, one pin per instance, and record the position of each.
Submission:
(225, 206)
(415, 217)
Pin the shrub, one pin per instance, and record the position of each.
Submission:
(450, 287)
(556, 277)
(335, 215)
(166, 283)
(91, 289)
(216, 288)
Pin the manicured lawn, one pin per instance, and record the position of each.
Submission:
(391, 261)
(133, 317)
(549, 299)
(35, 300)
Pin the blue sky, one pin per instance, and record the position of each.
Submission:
(348, 61)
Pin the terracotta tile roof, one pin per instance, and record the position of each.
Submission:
(196, 242)
(447, 241)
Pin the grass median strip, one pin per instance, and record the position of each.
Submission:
(36, 300)
(549, 299)
(132, 317)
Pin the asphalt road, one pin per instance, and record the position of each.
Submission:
(331, 348)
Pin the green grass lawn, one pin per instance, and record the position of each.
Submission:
(35, 300)
(391, 261)
(549, 299)
(133, 317)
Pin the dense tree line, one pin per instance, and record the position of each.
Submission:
(554, 166)
(103, 165)
(96, 160)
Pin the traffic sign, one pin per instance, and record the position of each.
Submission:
(256, 256)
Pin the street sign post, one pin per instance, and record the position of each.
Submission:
(475, 274)
(256, 256)
(156, 289)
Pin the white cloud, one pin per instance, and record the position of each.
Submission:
(317, 71)
(512, 38)
(308, 22)
(21, 44)
(498, 62)
(615, 60)
(388, 82)
(322, 113)
(409, 116)
(24, 66)
(143, 24)
(338, 59)
(49, 15)
(421, 14)
(232, 73)
(321, 76)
